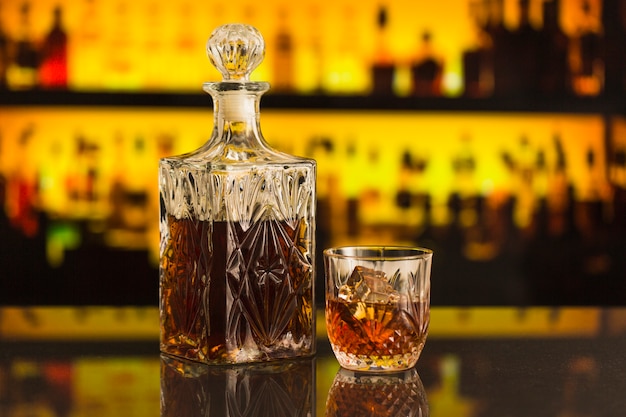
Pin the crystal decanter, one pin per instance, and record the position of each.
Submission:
(237, 226)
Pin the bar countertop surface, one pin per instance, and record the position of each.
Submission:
(478, 361)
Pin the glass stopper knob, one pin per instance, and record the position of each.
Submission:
(236, 50)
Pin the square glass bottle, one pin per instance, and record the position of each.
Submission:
(237, 225)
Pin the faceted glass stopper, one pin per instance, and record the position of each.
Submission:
(236, 50)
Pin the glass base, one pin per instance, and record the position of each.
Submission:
(240, 356)
(367, 363)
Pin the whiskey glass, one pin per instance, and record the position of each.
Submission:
(377, 305)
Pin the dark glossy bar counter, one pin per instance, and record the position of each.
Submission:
(483, 361)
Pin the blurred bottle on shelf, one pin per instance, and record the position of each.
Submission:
(92, 176)
(116, 191)
(554, 77)
(427, 69)
(525, 160)
(617, 178)
(22, 189)
(374, 185)
(541, 175)
(477, 59)
(562, 224)
(465, 165)
(51, 178)
(284, 56)
(404, 196)
(311, 69)
(591, 220)
(410, 196)
(53, 70)
(3, 185)
(351, 187)
(23, 71)
(72, 181)
(153, 43)
(84, 177)
(587, 59)
(185, 67)
(86, 48)
(525, 47)
(136, 190)
(503, 53)
(613, 18)
(120, 71)
(4, 54)
(617, 167)
(346, 71)
(383, 69)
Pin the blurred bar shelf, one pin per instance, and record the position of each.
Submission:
(571, 105)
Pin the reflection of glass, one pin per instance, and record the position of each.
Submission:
(362, 394)
(276, 389)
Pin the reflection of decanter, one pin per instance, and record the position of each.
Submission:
(276, 389)
(365, 394)
(237, 229)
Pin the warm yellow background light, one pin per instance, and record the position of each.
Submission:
(116, 44)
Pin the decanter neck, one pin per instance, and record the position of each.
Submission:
(236, 110)
(238, 107)
(236, 101)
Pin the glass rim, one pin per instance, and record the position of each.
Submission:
(378, 252)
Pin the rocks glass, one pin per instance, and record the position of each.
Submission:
(377, 305)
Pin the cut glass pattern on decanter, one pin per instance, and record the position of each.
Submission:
(237, 225)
